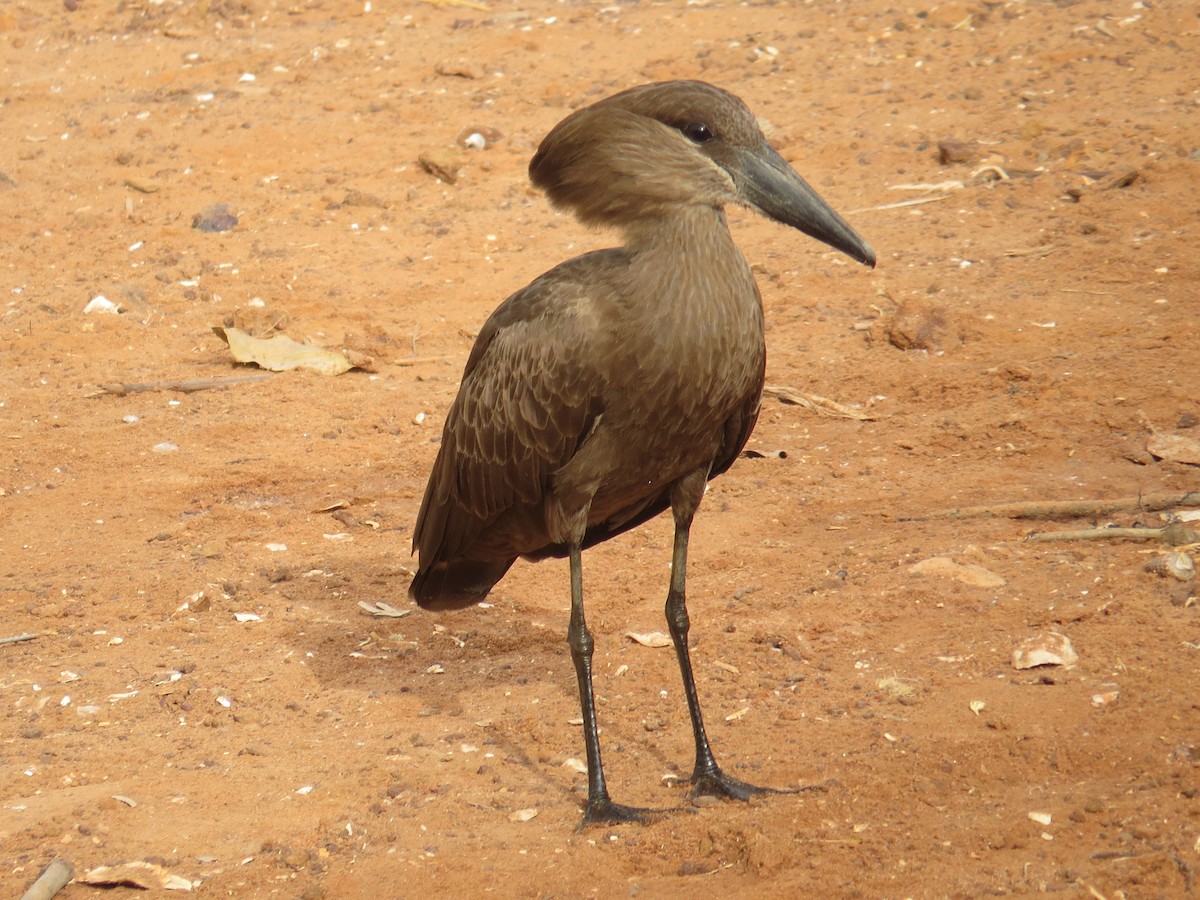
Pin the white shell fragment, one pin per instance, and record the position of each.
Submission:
(977, 706)
(1046, 649)
(247, 617)
(522, 815)
(101, 304)
(1041, 818)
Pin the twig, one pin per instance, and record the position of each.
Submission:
(53, 879)
(17, 638)
(822, 406)
(1089, 534)
(1063, 509)
(185, 387)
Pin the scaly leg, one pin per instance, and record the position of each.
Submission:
(707, 777)
(600, 809)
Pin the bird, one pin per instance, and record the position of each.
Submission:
(617, 384)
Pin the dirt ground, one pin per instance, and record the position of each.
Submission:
(1030, 334)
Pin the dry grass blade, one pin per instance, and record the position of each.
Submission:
(901, 204)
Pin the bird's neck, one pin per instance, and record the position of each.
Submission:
(689, 257)
(686, 230)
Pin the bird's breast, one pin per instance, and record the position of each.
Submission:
(685, 375)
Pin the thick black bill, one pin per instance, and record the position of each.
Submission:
(774, 188)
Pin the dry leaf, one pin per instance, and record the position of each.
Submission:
(383, 609)
(1174, 448)
(144, 875)
(650, 639)
(281, 353)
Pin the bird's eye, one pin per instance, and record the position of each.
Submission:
(698, 133)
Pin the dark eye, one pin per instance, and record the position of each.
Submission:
(698, 133)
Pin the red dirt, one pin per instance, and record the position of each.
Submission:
(1051, 320)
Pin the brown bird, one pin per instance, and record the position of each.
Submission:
(619, 382)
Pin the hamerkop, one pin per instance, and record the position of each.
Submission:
(621, 381)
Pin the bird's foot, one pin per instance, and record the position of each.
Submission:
(715, 783)
(605, 812)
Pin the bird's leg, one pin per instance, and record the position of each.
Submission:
(707, 777)
(600, 809)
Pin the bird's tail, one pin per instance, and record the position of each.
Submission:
(455, 584)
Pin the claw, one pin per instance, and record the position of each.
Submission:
(605, 812)
(716, 783)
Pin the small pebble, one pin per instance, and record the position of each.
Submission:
(215, 218)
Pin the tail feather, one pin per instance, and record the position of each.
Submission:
(456, 584)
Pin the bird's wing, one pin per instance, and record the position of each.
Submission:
(526, 402)
(737, 433)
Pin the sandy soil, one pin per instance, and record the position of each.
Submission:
(1029, 333)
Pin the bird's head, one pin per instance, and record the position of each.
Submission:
(639, 154)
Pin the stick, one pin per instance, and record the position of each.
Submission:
(1089, 534)
(17, 638)
(822, 406)
(53, 879)
(186, 387)
(1063, 509)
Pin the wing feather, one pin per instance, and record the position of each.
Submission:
(526, 401)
